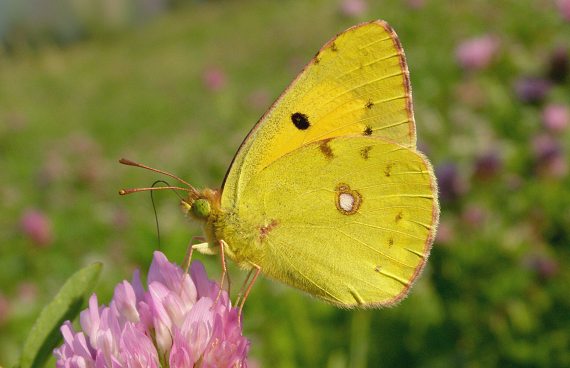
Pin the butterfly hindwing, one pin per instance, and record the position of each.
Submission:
(348, 219)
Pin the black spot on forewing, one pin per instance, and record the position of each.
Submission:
(369, 104)
(300, 120)
(367, 130)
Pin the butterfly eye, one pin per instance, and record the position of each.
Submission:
(201, 208)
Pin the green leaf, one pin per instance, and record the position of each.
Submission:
(44, 335)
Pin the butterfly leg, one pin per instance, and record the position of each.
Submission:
(189, 251)
(224, 271)
(256, 269)
(243, 285)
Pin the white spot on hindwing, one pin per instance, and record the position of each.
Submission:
(347, 201)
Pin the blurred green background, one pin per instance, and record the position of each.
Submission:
(177, 85)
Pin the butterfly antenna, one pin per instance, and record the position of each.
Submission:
(154, 207)
(127, 162)
(147, 189)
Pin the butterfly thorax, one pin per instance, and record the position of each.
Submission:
(218, 224)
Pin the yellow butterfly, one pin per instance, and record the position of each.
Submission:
(327, 193)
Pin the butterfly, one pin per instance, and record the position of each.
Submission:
(328, 193)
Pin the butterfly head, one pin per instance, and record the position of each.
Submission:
(201, 205)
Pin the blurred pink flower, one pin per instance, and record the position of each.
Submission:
(451, 184)
(175, 321)
(36, 225)
(353, 8)
(487, 165)
(477, 53)
(556, 117)
(564, 9)
(532, 90)
(214, 79)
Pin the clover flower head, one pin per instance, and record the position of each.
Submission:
(175, 323)
(477, 53)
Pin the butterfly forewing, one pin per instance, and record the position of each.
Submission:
(356, 84)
